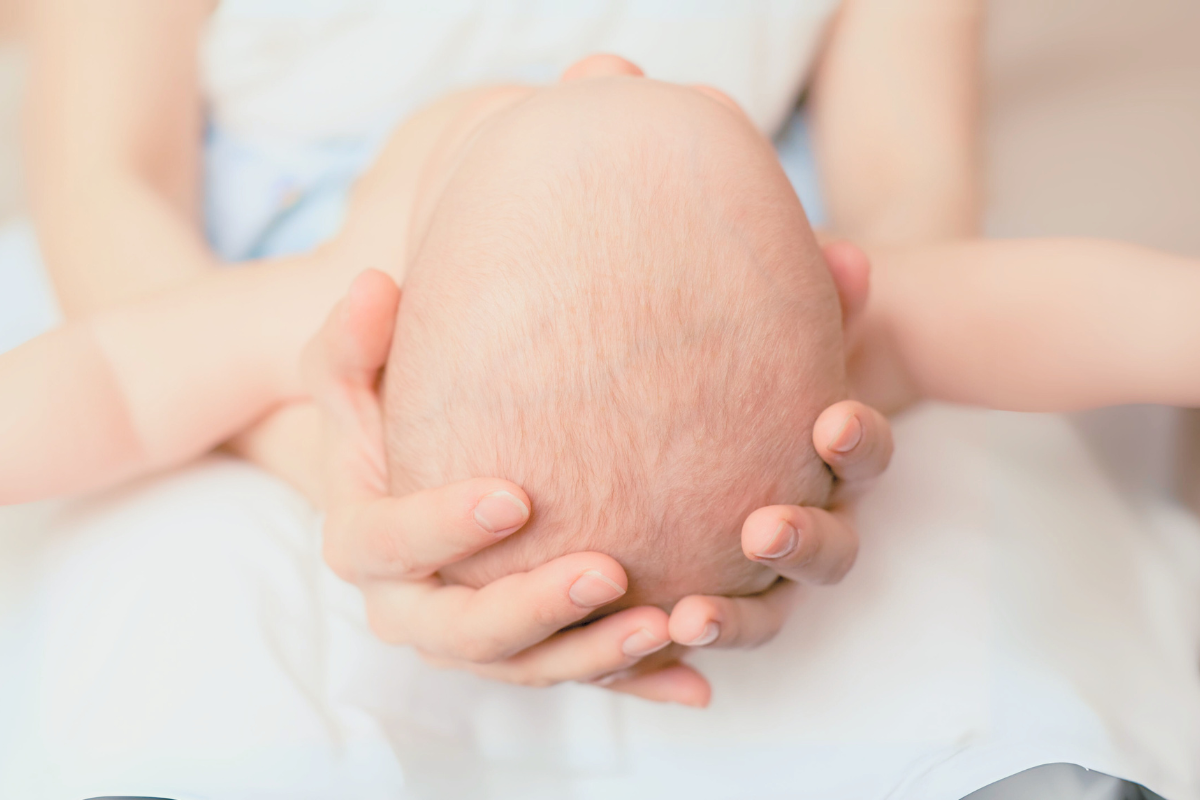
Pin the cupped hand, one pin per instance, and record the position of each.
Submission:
(392, 547)
(804, 545)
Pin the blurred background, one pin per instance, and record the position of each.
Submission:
(1093, 129)
(1093, 111)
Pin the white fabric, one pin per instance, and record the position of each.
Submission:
(313, 70)
(183, 640)
(1008, 610)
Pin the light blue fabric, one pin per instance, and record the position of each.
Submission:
(794, 146)
(27, 303)
(277, 199)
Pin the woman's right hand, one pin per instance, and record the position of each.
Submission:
(392, 547)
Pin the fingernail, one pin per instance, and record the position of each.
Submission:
(709, 635)
(642, 643)
(591, 589)
(849, 437)
(783, 543)
(610, 678)
(501, 513)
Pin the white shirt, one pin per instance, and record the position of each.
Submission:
(310, 70)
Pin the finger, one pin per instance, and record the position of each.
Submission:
(415, 535)
(616, 642)
(353, 344)
(341, 367)
(806, 545)
(674, 683)
(706, 621)
(854, 439)
(502, 618)
(851, 272)
(601, 65)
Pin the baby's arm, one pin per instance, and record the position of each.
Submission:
(1042, 325)
(150, 384)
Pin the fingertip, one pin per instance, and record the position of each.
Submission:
(850, 269)
(845, 431)
(500, 513)
(773, 532)
(854, 439)
(601, 65)
(647, 631)
(826, 548)
(848, 436)
(596, 562)
(676, 683)
(687, 686)
(832, 422)
(694, 621)
(846, 255)
(499, 507)
(589, 580)
(698, 696)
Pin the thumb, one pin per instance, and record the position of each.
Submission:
(341, 367)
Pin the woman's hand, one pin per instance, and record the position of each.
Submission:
(392, 547)
(811, 546)
(804, 545)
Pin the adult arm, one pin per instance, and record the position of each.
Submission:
(114, 125)
(896, 106)
(1041, 324)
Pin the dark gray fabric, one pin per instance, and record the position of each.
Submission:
(1062, 782)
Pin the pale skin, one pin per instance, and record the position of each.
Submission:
(222, 369)
(222, 365)
(117, 213)
(104, 375)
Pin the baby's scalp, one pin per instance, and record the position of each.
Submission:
(619, 305)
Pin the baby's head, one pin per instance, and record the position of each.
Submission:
(617, 303)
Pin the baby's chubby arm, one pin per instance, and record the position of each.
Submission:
(1038, 325)
(153, 383)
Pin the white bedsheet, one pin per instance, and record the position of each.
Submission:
(181, 639)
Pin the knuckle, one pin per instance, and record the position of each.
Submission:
(388, 554)
(545, 615)
(480, 649)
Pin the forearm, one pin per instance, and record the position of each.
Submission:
(1041, 325)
